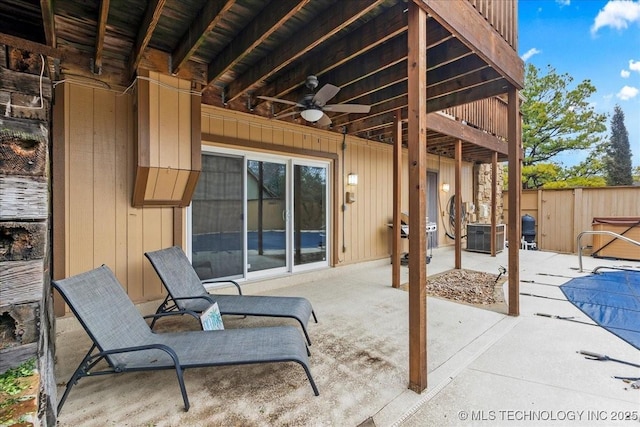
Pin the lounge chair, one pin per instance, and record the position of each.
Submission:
(122, 338)
(187, 292)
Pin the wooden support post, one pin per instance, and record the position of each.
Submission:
(494, 182)
(397, 199)
(515, 188)
(417, 123)
(458, 204)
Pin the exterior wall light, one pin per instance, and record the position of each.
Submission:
(352, 179)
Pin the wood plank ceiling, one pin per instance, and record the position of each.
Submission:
(237, 50)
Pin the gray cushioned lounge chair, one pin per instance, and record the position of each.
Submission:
(122, 338)
(187, 292)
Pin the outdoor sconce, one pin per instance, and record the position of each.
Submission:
(352, 179)
(445, 187)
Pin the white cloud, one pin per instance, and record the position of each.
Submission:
(624, 74)
(563, 2)
(528, 54)
(634, 65)
(627, 92)
(617, 14)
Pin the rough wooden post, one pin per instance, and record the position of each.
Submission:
(26, 319)
(417, 116)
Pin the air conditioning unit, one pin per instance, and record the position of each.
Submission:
(479, 238)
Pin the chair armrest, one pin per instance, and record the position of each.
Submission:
(162, 347)
(172, 313)
(220, 282)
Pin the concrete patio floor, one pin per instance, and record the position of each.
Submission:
(485, 368)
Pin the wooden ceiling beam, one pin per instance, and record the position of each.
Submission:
(382, 28)
(149, 22)
(267, 22)
(462, 82)
(441, 124)
(445, 53)
(463, 20)
(323, 27)
(466, 95)
(452, 70)
(198, 31)
(383, 108)
(100, 32)
(357, 91)
(48, 22)
(387, 61)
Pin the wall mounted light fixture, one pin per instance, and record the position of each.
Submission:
(352, 179)
(445, 187)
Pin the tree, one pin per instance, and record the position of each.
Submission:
(618, 160)
(557, 118)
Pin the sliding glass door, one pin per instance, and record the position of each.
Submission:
(254, 216)
(266, 215)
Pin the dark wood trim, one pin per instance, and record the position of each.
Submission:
(196, 133)
(58, 190)
(417, 125)
(458, 203)
(397, 201)
(140, 186)
(515, 188)
(494, 207)
(262, 146)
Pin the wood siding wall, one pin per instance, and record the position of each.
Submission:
(562, 214)
(94, 163)
(366, 234)
(95, 223)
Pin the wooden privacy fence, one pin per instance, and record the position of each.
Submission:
(562, 214)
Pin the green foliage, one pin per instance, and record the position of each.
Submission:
(556, 118)
(9, 383)
(618, 160)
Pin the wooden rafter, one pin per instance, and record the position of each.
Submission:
(101, 31)
(323, 27)
(206, 20)
(263, 26)
(48, 22)
(149, 22)
(372, 34)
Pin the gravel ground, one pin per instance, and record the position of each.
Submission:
(466, 286)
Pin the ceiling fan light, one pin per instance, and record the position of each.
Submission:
(311, 114)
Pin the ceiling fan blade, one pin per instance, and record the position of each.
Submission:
(291, 113)
(325, 93)
(324, 121)
(282, 101)
(347, 108)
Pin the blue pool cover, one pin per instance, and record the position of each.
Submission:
(611, 299)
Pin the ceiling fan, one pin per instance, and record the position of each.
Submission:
(312, 106)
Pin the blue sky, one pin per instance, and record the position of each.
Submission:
(597, 40)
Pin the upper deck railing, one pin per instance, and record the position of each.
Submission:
(502, 15)
(489, 115)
